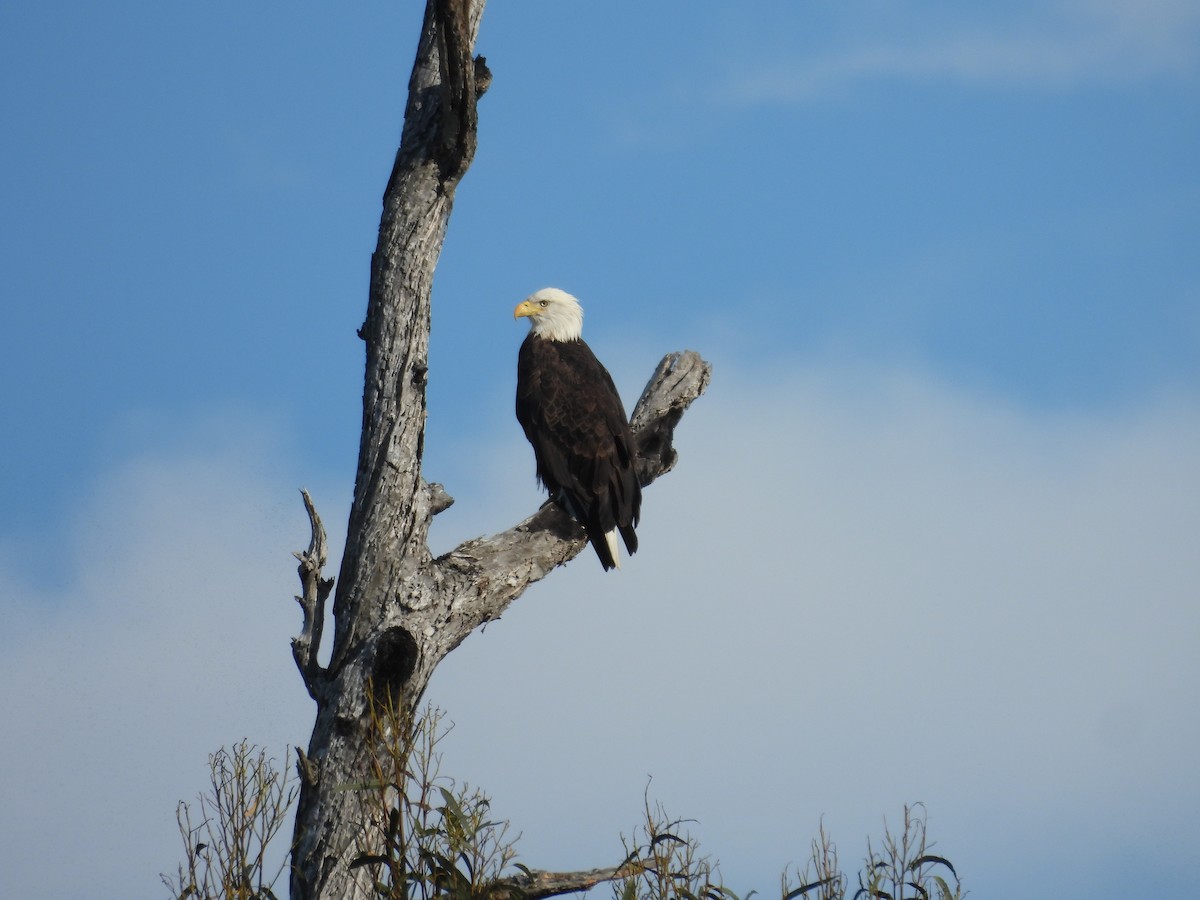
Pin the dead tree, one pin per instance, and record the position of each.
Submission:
(397, 610)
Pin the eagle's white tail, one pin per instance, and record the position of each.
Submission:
(611, 539)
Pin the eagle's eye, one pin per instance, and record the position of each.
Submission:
(544, 303)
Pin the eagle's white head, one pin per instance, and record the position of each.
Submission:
(552, 314)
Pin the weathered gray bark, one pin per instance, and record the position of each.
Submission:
(398, 611)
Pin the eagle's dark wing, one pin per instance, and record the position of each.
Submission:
(572, 415)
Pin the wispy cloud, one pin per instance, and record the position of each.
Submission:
(1051, 46)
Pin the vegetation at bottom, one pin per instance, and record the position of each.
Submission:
(424, 837)
(227, 836)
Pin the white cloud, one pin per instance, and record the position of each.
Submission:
(860, 589)
(1058, 45)
(170, 640)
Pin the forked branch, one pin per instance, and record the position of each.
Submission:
(315, 592)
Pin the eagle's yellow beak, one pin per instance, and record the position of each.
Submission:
(525, 308)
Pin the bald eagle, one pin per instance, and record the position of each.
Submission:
(572, 414)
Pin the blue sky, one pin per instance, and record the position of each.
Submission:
(943, 257)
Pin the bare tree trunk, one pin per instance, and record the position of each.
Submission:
(397, 611)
